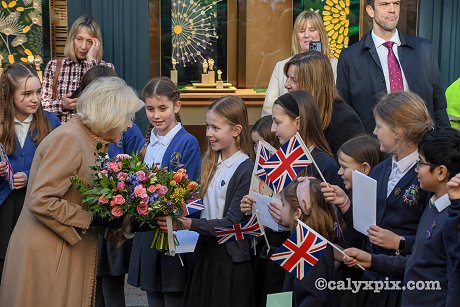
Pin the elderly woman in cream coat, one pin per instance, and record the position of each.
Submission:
(51, 258)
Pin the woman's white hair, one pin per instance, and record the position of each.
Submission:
(106, 104)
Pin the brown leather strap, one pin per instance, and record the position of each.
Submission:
(55, 77)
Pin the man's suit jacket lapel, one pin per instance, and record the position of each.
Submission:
(370, 46)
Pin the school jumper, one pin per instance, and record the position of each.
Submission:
(11, 201)
(149, 269)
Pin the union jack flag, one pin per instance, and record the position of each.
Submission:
(192, 207)
(247, 229)
(9, 169)
(262, 157)
(301, 251)
(286, 163)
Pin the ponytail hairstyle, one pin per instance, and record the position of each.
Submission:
(363, 149)
(320, 216)
(233, 110)
(301, 104)
(405, 111)
(159, 87)
(9, 83)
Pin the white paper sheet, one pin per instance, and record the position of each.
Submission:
(264, 215)
(364, 201)
(187, 241)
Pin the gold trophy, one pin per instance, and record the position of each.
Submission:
(219, 82)
(211, 73)
(204, 75)
(38, 61)
(174, 71)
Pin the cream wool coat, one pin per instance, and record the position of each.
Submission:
(51, 259)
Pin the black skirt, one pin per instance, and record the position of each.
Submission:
(10, 210)
(216, 280)
(112, 261)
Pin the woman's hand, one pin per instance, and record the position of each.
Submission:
(275, 211)
(69, 103)
(20, 180)
(186, 223)
(383, 237)
(453, 187)
(3, 169)
(336, 196)
(246, 204)
(356, 256)
(94, 50)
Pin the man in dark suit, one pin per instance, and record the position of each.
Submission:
(386, 60)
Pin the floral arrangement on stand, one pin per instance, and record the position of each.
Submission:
(124, 186)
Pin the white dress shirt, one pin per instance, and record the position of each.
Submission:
(22, 128)
(158, 145)
(399, 169)
(382, 51)
(214, 199)
(441, 203)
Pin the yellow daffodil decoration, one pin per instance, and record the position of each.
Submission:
(336, 21)
(21, 33)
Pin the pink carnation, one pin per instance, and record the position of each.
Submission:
(142, 209)
(141, 175)
(121, 185)
(151, 189)
(122, 176)
(162, 190)
(140, 191)
(119, 199)
(103, 200)
(112, 203)
(123, 156)
(114, 166)
(117, 212)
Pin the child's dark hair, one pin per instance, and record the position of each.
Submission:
(320, 216)
(159, 87)
(442, 147)
(95, 72)
(9, 82)
(263, 126)
(363, 149)
(303, 105)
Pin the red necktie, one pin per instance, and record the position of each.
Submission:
(394, 70)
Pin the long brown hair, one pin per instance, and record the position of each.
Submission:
(9, 83)
(301, 104)
(320, 216)
(234, 111)
(315, 75)
(156, 87)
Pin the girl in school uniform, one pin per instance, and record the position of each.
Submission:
(24, 125)
(221, 274)
(401, 121)
(167, 143)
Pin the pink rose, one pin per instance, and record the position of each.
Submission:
(119, 199)
(122, 176)
(121, 185)
(162, 190)
(114, 166)
(142, 209)
(103, 200)
(117, 212)
(122, 156)
(145, 200)
(151, 189)
(141, 175)
(140, 191)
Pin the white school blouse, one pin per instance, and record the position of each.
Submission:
(22, 128)
(214, 199)
(158, 145)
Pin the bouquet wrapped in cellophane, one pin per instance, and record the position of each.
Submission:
(124, 186)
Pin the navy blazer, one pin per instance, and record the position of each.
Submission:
(22, 157)
(360, 77)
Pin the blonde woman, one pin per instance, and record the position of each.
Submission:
(308, 27)
(61, 81)
(51, 258)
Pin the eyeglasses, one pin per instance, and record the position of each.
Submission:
(418, 163)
